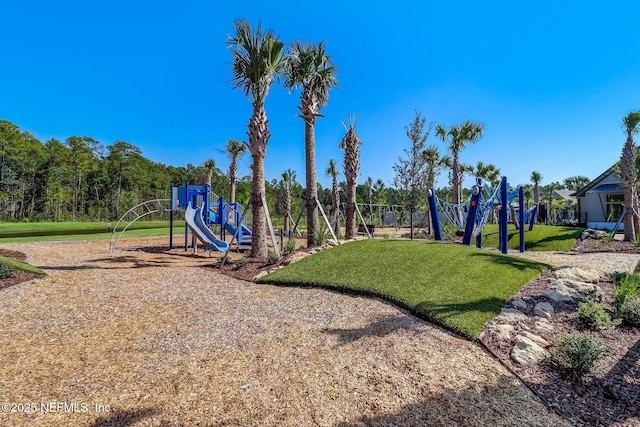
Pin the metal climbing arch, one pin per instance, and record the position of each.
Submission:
(135, 213)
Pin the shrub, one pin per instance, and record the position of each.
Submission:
(594, 315)
(580, 352)
(627, 288)
(6, 270)
(290, 246)
(630, 310)
(272, 258)
(242, 262)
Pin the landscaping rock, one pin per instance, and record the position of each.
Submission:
(590, 233)
(510, 315)
(501, 332)
(577, 274)
(297, 256)
(527, 352)
(558, 296)
(543, 309)
(580, 291)
(544, 325)
(535, 338)
(519, 304)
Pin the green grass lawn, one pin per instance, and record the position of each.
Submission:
(541, 238)
(454, 285)
(17, 265)
(49, 231)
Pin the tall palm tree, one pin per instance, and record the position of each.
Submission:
(288, 177)
(536, 178)
(235, 150)
(333, 172)
(628, 172)
(350, 143)
(434, 164)
(309, 67)
(487, 172)
(458, 136)
(257, 59)
(209, 166)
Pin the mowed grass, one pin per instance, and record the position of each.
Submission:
(17, 265)
(541, 238)
(50, 231)
(457, 286)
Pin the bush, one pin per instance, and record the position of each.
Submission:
(272, 258)
(627, 287)
(630, 310)
(594, 315)
(6, 270)
(242, 262)
(580, 352)
(290, 246)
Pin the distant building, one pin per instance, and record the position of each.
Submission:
(600, 202)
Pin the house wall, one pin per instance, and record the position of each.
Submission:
(593, 207)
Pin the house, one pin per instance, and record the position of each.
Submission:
(600, 202)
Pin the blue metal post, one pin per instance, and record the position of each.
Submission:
(186, 227)
(532, 220)
(479, 235)
(433, 209)
(471, 216)
(504, 237)
(521, 216)
(171, 204)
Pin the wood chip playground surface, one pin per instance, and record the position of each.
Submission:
(148, 337)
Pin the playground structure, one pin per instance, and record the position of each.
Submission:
(474, 213)
(202, 209)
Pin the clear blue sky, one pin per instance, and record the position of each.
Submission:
(551, 80)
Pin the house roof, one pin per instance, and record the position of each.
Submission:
(593, 184)
(606, 188)
(564, 194)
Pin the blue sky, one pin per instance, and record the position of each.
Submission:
(551, 80)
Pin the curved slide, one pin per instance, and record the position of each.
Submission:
(199, 228)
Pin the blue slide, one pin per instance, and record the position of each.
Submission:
(200, 229)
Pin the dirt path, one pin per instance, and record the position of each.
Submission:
(149, 338)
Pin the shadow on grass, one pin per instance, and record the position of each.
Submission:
(445, 311)
(124, 418)
(385, 326)
(515, 262)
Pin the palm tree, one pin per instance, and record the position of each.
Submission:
(487, 172)
(575, 183)
(307, 66)
(333, 172)
(528, 195)
(209, 166)
(536, 177)
(434, 164)
(628, 172)
(458, 136)
(235, 150)
(257, 59)
(288, 177)
(549, 190)
(351, 145)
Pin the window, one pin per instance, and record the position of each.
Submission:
(614, 206)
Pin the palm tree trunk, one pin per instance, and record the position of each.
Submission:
(232, 177)
(351, 211)
(258, 230)
(455, 180)
(629, 230)
(312, 186)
